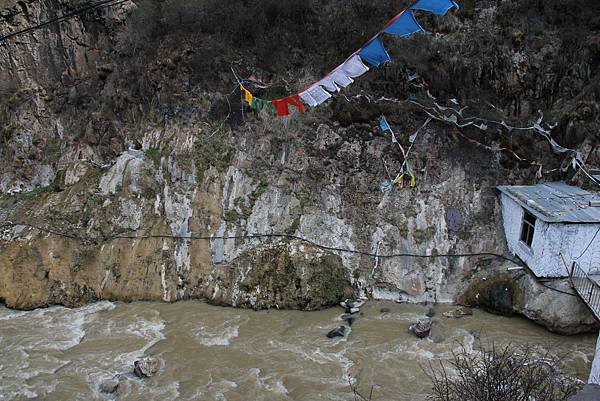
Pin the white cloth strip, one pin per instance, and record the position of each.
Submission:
(316, 95)
(354, 66)
(336, 80)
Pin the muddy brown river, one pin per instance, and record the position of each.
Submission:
(213, 353)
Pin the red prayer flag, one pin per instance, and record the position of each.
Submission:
(281, 106)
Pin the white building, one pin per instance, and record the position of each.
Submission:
(543, 222)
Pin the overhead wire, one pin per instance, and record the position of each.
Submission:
(278, 235)
(588, 245)
(92, 240)
(64, 17)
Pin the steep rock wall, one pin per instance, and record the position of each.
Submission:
(117, 147)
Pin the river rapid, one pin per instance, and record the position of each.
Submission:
(213, 353)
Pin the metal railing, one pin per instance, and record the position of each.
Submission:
(587, 289)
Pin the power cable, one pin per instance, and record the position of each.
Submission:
(65, 17)
(556, 289)
(288, 236)
(259, 236)
(588, 246)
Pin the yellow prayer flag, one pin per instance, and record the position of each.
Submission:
(247, 96)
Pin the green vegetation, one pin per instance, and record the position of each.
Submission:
(241, 203)
(155, 155)
(260, 189)
(231, 216)
(464, 234)
(294, 226)
(213, 152)
(185, 162)
(52, 150)
(421, 236)
(403, 229)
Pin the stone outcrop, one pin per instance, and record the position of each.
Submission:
(422, 328)
(459, 312)
(517, 292)
(337, 332)
(146, 367)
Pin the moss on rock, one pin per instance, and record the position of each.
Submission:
(292, 280)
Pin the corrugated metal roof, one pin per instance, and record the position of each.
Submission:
(555, 202)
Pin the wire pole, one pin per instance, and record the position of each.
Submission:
(241, 92)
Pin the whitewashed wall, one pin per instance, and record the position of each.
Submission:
(595, 372)
(549, 240)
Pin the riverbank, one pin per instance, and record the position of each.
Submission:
(211, 352)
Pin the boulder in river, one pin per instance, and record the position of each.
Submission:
(337, 332)
(476, 334)
(109, 386)
(384, 310)
(559, 311)
(358, 303)
(146, 367)
(352, 304)
(458, 312)
(435, 334)
(422, 328)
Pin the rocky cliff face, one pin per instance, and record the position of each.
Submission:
(124, 163)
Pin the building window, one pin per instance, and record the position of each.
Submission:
(528, 228)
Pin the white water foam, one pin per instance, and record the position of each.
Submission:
(34, 335)
(220, 334)
(150, 331)
(315, 354)
(268, 382)
(214, 389)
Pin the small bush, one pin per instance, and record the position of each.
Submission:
(507, 373)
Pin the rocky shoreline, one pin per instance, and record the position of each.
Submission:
(498, 291)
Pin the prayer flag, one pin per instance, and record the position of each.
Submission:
(383, 124)
(374, 53)
(437, 7)
(404, 24)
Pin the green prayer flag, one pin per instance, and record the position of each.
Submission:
(259, 104)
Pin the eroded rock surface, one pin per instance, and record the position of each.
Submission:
(146, 183)
(551, 305)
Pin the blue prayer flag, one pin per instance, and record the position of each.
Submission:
(374, 53)
(405, 25)
(383, 124)
(438, 7)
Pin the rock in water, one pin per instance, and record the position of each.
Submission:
(430, 312)
(358, 303)
(347, 316)
(337, 332)
(458, 312)
(422, 328)
(384, 310)
(145, 367)
(108, 386)
(435, 334)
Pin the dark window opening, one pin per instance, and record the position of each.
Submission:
(528, 228)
